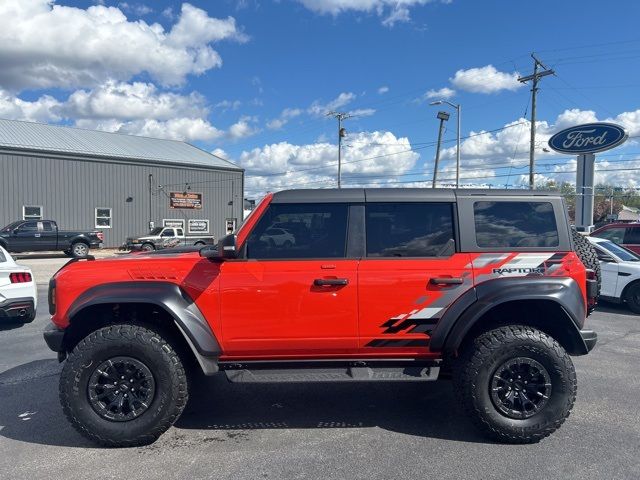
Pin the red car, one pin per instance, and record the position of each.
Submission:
(625, 234)
(486, 288)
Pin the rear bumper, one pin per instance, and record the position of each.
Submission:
(20, 310)
(590, 338)
(54, 337)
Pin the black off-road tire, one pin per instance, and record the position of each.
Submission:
(587, 255)
(632, 297)
(480, 360)
(144, 345)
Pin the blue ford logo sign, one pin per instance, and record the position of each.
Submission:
(588, 138)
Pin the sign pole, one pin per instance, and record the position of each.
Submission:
(585, 191)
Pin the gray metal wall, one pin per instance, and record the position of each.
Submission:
(70, 189)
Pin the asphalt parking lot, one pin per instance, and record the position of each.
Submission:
(325, 430)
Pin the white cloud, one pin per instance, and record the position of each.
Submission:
(128, 101)
(44, 45)
(367, 153)
(382, 90)
(185, 129)
(506, 152)
(443, 93)
(319, 109)
(243, 128)
(139, 9)
(285, 116)
(40, 110)
(362, 112)
(485, 80)
(392, 11)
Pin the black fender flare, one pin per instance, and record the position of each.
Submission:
(467, 310)
(166, 295)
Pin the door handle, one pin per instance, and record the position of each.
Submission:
(446, 281)
(331, 282)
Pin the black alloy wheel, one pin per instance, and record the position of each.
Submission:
(520, 388)
(121, 389)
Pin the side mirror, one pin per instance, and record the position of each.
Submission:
(603, 257)
(227, 246)
(15, 231)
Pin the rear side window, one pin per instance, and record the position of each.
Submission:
(632, 236)
(515, 224)
(314, 230)
(409, 229)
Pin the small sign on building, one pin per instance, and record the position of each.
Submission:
(173, 223)
(198, 226)
(187, 200)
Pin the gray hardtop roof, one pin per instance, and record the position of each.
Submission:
(360, 195)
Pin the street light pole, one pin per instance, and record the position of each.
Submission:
(443, 117)
(458, 108)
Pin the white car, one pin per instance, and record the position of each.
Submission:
(620, 273)
(18, 292)
(278, 237)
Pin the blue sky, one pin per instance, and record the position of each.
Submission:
(251, 80)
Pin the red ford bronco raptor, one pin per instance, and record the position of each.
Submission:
(486, 288)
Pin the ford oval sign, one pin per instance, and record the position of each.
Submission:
(588, 138)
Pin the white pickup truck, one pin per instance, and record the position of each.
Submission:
(165, 237)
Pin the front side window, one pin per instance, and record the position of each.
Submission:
(167, 233)
(30, 212)
(409, 230)
(515, 224)
(315, 230)
(616, 235)
(103, 218)
(28, 227)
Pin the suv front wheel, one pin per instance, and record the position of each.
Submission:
(123, 386)
(516, 383)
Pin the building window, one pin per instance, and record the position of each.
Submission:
(31, 212)
(103, 218)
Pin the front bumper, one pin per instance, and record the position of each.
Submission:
(54, 337)
(590, 338)
(20, 310)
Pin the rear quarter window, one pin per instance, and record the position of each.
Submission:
(510, 224)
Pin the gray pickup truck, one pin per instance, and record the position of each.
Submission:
(44, 235)
(165, 237)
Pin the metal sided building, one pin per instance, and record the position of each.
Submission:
(116, 183)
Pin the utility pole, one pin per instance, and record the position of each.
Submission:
(340, 116)
(535, 77)
(443, 117)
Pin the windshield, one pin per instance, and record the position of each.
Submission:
(10, 227)
(156, 231)
(620, 252)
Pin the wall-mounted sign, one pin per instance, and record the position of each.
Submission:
(198, 226)
(588, 138)
(188, 200)
(230, 225)
(173, 223)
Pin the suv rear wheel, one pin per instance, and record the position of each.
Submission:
(123, 386)
(516, 383)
